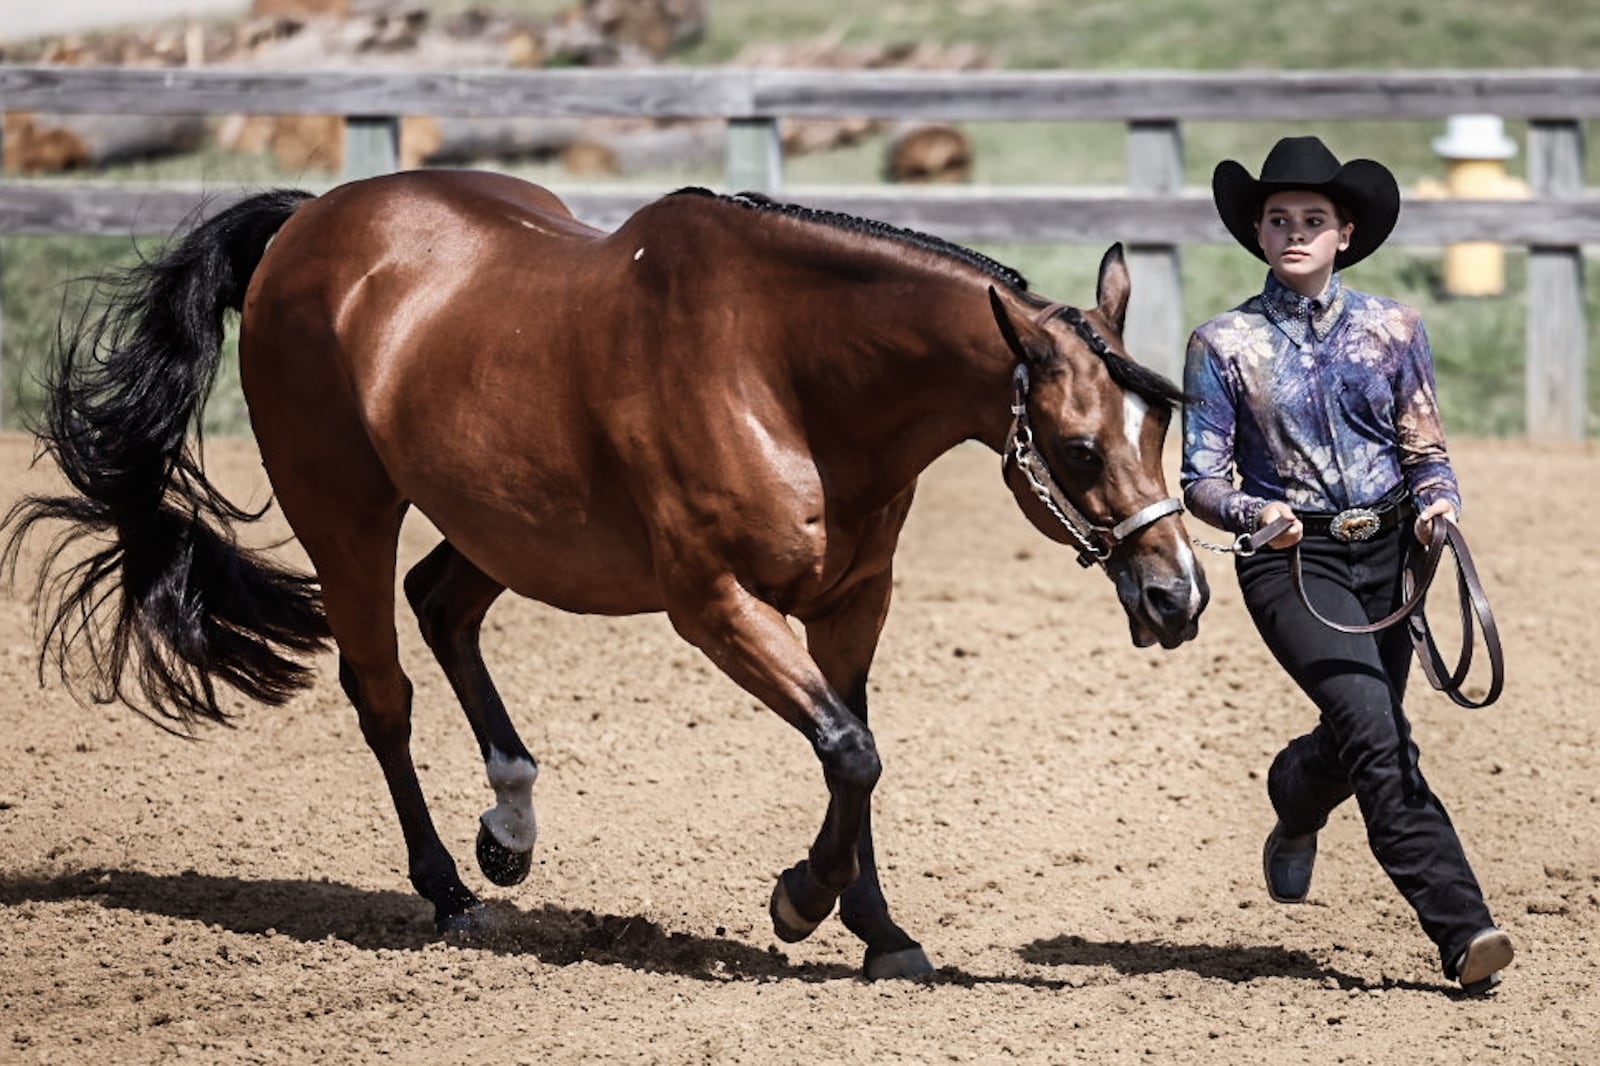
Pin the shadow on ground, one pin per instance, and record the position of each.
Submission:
(379, 919)
(1236, 963)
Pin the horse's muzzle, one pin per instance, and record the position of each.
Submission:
(1168, 612)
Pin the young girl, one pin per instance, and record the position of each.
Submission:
(1321, 399)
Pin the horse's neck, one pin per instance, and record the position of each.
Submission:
(918, 373)
(893, 348)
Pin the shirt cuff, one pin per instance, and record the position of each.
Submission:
(1431, 494)
(1244, 512)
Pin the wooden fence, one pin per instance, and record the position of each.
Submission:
(1153, 213)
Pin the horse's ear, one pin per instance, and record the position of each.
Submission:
(1112, 291)
(1008, 329)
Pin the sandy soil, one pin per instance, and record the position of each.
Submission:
(1071, 826)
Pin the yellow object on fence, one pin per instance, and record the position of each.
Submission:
(1475, 148)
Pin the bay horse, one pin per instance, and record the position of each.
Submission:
(719, 410)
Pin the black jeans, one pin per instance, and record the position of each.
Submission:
(1362, 745)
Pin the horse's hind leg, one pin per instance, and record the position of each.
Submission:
(358, 594)
(843, 643)
(450, 597)
(346, 513)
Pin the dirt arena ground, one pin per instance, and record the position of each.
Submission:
(1071, 826)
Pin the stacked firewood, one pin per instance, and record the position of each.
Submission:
(921, 152)
(365, 34)
(403, 35)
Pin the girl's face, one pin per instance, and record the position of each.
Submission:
(1300, 233)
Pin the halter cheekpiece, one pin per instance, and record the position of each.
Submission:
(1095, 542)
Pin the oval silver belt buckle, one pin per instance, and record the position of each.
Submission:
(1355, 524)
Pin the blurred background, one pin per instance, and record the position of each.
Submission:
(1479, 340)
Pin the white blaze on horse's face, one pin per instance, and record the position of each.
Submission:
(1158, 579)
(1084, 455)
(1134, 410)
(1160, 583)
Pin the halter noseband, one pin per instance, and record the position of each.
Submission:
(1095, 542)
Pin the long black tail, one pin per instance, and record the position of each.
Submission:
(168, 597)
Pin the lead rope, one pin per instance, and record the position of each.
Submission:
(1474, 605)
(1421, 568)
(1247, 544)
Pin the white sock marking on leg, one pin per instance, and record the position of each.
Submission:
(511, 820)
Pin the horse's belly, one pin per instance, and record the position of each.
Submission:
(580, 566)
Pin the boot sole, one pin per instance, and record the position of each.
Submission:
(1485, 957)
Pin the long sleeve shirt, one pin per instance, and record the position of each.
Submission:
(1324, 403)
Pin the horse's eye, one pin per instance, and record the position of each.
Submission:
(1080, 455)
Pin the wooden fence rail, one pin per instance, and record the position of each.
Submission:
(1553, 225)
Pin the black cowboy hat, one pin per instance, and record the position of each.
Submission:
(1364, 188)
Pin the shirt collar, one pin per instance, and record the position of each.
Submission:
(1295, 314)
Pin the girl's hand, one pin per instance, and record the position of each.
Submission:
(1289, 537)
(1424, 523)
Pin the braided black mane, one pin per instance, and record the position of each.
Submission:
(872, 228)
(1128, 375)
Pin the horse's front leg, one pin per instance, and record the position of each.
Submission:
(752, 643)
(843, 642)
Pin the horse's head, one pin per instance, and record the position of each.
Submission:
(1085, 451)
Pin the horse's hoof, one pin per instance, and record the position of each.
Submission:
(788, 923)
(905, 963)
(499, 863)
(470, 924)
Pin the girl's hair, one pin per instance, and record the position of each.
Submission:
(1339, 209)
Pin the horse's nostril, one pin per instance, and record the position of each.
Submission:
(1160, 600)
(1167, 606)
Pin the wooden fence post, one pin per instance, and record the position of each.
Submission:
(1155, 329)
(371, 146)
(5, 378)
(1557, 334)
(5, 384)
(755, 155)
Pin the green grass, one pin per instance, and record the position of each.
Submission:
(1166, 34)
(46, 280)
(1478, 343)
(1187, 34)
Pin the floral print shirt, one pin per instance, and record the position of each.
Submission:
(1322, 403)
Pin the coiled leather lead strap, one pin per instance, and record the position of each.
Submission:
(1422, 566)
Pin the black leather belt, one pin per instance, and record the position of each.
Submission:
(1357, 523)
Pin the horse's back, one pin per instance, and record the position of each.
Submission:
(408, 339)
(564, 404)
(413, 287)
(419, 198)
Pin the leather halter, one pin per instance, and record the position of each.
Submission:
(1095, 542)
(1421, 568)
